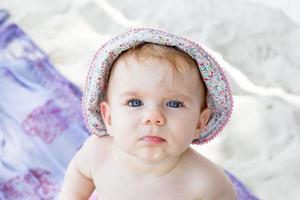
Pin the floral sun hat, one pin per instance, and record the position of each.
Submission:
(219, 98)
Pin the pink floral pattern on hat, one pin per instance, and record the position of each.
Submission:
(219, 98)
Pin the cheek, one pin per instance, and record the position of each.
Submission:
(184, 119)
(124, 120)
(184, 125)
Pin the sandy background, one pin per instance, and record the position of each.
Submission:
(257, 42)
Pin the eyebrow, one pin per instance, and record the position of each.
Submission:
(170, 94)
(130, 93)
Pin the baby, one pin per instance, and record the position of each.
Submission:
(150, 99)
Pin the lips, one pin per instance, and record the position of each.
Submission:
(153, 139)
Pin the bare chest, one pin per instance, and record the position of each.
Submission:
(115, 186)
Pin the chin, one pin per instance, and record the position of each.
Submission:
(152, 156)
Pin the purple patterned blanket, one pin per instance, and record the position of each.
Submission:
(41, 124)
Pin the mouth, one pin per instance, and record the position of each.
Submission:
(153, 140)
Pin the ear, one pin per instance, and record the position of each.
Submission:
(106, 114)
(203, 119)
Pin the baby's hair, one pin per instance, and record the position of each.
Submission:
(178, 59)
(171, 54)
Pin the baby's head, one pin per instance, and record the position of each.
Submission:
(149, 78)
(155, 91)
(157, 86)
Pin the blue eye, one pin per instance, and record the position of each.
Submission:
(175, 104)
(134, 102)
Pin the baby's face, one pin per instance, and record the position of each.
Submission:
(151, 112)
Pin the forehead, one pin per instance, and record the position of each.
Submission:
(152, 76)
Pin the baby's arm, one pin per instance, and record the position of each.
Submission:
(78, 184)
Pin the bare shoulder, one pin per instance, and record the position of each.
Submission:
(94, 142)
(91, 153)
(209, 179)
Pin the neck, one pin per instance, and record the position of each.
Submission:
(142, 167)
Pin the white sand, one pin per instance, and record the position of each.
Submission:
(260, 50)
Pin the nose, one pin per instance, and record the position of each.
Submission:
(154, 118)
